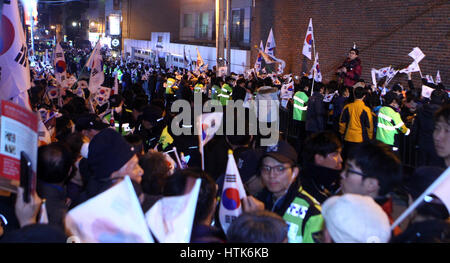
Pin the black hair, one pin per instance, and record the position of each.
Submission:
(322, 143)
(156, 171)
(438, 97)
(257, 227)
(54, 162)
(359, 92)
(176, 185)
(444, 113)
(376, 160)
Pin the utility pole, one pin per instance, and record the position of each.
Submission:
(220, 53)
(228, 37)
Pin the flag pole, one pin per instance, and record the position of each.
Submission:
(178, 157)
(419, 200)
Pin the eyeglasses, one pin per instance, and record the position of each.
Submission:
(348, 171)
(278, 170)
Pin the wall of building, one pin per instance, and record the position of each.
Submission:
(142, 17)
(385, 31)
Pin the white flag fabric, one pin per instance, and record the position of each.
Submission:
(438, 77)
(43, 216)
(426, 91)
(270, 44)
(309, 40)
(95, 63)
(200, 61)
(259, 58)
(14, 66)
(429, 79)
(171, 218)
(390, 74)
(232, 194)
(315, 70)
(413, 67)
(114, 216)
(417, 54)
(60, 65)
(210, 124)
(443, 191)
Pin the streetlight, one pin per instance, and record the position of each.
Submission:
(74, 24)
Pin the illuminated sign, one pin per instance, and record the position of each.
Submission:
(114, 24)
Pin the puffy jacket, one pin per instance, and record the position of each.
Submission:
(389, 121)
(356, 123)
(300, 106)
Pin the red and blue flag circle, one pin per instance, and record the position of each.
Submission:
(309, 39)
(7, 35)
(61, 66)
(230, 199)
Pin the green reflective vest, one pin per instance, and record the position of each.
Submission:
(300, 106)
(225, 94)
(389, 121)
(304, 218)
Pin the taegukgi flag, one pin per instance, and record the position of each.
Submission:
(270, 44)
(259, 58)
(309, 40)
(60, 65)
(232, 194)
(95, 63)
(14, 66)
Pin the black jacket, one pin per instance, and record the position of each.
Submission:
(320, 182)
(424, 126)
(316, 113)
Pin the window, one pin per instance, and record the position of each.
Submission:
(237, 27)
(202, 31)
(187, 20)
(160, 38)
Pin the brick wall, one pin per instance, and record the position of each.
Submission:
(142, 17)
(384, 31)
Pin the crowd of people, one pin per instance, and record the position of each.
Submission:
(332, 177)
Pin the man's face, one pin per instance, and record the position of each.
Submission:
(352, 181)
(352, 55)
(276, 176)
(332, 160)
(441, 138)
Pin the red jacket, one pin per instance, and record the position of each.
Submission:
(354, 71)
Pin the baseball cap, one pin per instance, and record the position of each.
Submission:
(282, 152)
(88, 122)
